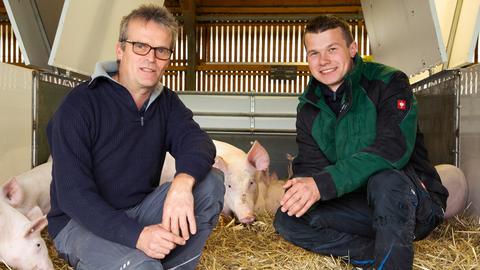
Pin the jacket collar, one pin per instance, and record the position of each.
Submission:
(313, 92)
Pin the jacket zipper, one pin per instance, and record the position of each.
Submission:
(348, 102)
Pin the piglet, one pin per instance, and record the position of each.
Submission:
(29, 189)
(239, 169)
(270, 192)
(21, 245)
(454, 180)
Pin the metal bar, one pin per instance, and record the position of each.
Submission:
(249, 131)
(252, 114)
(35, 86)
(457, 119)
(241, 94)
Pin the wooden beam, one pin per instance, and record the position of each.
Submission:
(177, 68)
(280, 10)
(248, 67)
(3, 10)
(189, 26)
(275, 3)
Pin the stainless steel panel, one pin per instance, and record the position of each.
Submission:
(276, 104)
(215, 103)
(223, 122)
(243, 112)
(470, 133)
(437, 102)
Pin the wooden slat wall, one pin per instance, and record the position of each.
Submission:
(237, 56)
(10, 49)
(231, 46)
(174, 77)
(259, 42)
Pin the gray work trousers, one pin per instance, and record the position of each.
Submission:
(87, 251)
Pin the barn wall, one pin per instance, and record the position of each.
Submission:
(15, 120)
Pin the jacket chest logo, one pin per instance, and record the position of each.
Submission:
(401, 104)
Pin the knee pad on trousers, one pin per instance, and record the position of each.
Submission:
(148, 265)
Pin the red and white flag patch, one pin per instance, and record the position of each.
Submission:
(401, 104)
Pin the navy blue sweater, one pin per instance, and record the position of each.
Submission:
(108, 156)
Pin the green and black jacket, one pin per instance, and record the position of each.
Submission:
(375, 130)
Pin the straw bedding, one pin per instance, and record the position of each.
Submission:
(453, 245)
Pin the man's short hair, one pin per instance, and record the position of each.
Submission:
(157, 14)
(326, 22)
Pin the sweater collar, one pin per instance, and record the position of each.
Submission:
(108, 68)
(104, 69)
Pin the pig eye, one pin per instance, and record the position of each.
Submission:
(229, 186)
(251, 182)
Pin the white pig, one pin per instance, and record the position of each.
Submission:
(21, 245)
(270, 192)
(29, 189)
(454, 180)
(239, 169)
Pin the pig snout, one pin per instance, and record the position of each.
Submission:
(249, 219)
(46, 266)
(245, 212)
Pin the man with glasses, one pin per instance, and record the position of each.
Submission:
(108, 141)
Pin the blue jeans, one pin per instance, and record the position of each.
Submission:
(84, 250)
(372, 227)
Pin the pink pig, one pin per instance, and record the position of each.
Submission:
(239, 169)
(21, 245)
(454, 180)
(29, 189)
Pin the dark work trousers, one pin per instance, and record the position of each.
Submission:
(375, 227)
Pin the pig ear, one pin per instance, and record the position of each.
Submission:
(258, 157)
(290, 165)
(274, 176)
(220, 164)
(13, 192)
(262, 176)
(35, 213)
(36, 226)
(269, 178)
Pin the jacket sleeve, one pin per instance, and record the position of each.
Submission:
(192, 148)
(310, 161)
(396, 128)
(69, 135)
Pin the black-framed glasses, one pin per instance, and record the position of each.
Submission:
(143, 49)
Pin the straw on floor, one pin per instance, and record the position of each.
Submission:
(453, 245)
